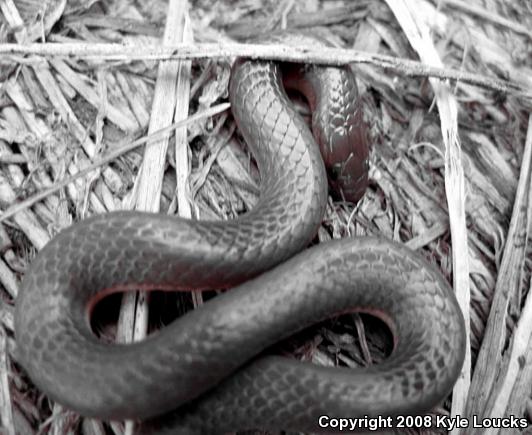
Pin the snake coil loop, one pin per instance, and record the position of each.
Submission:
(207, 364)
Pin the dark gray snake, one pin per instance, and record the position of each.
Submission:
(205, 364)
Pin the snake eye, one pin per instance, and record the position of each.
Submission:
(335, 171)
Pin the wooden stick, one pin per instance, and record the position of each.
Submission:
(329, 56)
(491, 371)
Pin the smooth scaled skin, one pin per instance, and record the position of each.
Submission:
(203, 374)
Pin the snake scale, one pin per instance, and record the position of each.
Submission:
(205, 372)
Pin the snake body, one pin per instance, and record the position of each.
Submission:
(205, 370)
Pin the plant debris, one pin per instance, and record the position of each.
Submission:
(72, 127)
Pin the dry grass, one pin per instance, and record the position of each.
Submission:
(450, 169)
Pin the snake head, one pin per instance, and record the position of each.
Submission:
(344, 182)
(337, 125)
(345, 152)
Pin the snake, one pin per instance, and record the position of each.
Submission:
(212, 370)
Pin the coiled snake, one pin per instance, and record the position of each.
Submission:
(205, 364)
